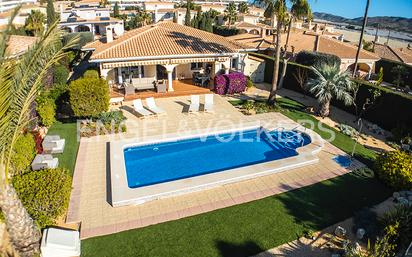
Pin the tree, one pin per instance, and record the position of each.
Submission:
(367, 45)
(243, 8)
(35, 23)
(300, 9)
(400, 72)
(365, 21)
(231, 13)
(116, 10)
(187, 15)
(51, 14)
(20, 82)
(330, 83)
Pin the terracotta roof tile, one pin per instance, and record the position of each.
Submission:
(17, 45)
(405, 54)
(163, 39)
(386, 52)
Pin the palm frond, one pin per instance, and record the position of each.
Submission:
(20, 81)
(4, 35)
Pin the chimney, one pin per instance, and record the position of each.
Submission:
(317, 42)
(109, 34)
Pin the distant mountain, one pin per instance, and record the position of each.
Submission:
(385, 22)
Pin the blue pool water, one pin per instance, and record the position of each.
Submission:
(158, 163)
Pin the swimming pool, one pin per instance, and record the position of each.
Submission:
(169, 161)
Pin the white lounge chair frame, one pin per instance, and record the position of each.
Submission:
(194, 104)
(138, 107)
(209, 103)
(151, 105)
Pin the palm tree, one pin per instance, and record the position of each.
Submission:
(243, 8)
(300, 9)
(231, 13)
(330, 83)
(35, 23)
(365, 20)
(20, 82)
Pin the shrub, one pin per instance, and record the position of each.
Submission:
(108, 117)
(60, 75)
(395, 169)
(225, 31)
(23, 153)
(387, 66)
(47, 112)
(316, 59)
(402, 215)
(89, 96)
(84, 38)
(45, 194)
(230, 83)
(91, 74)
(249, 83)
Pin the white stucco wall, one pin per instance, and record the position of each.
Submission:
(254, 68)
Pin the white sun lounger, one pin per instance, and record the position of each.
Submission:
(208, 103)
(194, 104)
(53, 144)
(138, 107)
(44, 161)
(151, 105)
(60, 242)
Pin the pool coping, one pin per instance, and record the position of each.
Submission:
(123, 195)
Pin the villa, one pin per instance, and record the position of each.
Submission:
(167, 51)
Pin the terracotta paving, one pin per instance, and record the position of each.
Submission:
(90, 199)
(181, 88)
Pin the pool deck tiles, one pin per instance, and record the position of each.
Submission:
(90, 199)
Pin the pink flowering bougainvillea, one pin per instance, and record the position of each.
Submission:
(230, 83)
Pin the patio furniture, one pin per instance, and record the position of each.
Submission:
(161, 86)
(194, 104)
(143, 83)
(138, 107)
(208, 103)
(129, 89)
(44, 161)
(60, 242)
(151, 105)
(116, 100)
(53, 144)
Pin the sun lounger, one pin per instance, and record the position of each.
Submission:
(208, 103)
(194, 104)
(60, 242)
(151, 105)
(53, 144)
(44, 161)
(138, 107)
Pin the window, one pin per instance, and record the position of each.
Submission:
(234, 63)
(196, 65)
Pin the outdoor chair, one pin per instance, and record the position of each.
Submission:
(44, 161)
(60, 242)
(53, 144)
(138, 107)
(208, 103)
(151, 105)
(129, 89)
(194, 104)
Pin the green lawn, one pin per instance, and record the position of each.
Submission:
(68, 131)
(246, 229)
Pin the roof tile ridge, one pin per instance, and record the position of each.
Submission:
(395, 53)
(114, 43)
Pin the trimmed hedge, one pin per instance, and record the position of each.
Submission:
(388, 65)
(390, 111)
(309, 58)
(23, 153)
(225, 31)
(89, 96)
(91, 74)
(44, 193)
(60, 74)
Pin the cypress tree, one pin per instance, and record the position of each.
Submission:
(51, 14)
(187, 16)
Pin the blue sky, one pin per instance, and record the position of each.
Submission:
(355, 8)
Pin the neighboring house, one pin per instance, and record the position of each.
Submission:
(87, 16)
(218, 6)
(152, 6)
(165, 50)
(21, 17)
(18, 45)
(6, 5)
(308, 41)
(257, 11)
(255, 29)
(395, 54)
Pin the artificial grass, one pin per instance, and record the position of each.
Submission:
(246, 229)
(68, 131)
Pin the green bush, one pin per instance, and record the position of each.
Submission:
(89, 96)
(91, 74)
(316, 59)
(23, 153)
(84, 38)
(108, 117)
(225, 31)
(387, 66)
(47, 112)
(60, 75)
(401, 215)
(57, 90)
(395, 169)
(249, 83)
(45, 194)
